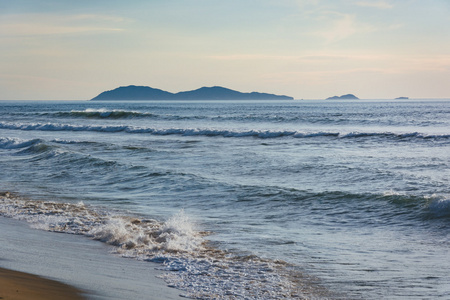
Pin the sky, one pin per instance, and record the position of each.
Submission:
(307, 49)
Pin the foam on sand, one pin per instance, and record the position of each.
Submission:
(186, 258)
(82, 263)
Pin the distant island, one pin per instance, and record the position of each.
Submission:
(401, 98)
(133, 92)
(343, 97)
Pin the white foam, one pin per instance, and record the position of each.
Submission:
(107, 113)
(200, 271)
(149, 237)
(15, 143)
(391, 193)
(263, 134)
(80, 262)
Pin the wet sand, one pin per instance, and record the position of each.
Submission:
(22, 286)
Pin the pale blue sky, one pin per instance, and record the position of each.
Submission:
(311, 49)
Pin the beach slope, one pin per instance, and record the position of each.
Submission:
(22, 286)
(84, 264)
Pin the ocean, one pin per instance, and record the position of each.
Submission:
(342, 199)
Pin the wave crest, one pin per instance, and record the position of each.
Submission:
(262, 134)
(14, 143)
(439, 206)
(105, 114)
(175, 235)
(198, 270)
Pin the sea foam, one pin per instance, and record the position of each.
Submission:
(191, 265)
(262, 134)
(103, 113)
(14, 143)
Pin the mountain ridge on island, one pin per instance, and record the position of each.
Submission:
(133, 92)
(343, 97)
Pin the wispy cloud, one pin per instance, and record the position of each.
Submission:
(94, 17)
(341, 26)
(307, 58)
(335, 62)
(341, 29)
(375, 4)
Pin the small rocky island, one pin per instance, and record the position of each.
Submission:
(401, 98)
(133, 92)
(343, 97)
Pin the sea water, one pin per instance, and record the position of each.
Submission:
(244, 199)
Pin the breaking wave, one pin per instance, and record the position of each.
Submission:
(13, 143)
(439, 207)
(191, 265)
(280, 117)
(114, 114)
(105, 114)
(263, 134)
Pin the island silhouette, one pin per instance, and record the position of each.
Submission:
(133, 92)
(343, 97)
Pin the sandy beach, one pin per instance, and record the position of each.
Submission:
(74, 267)
(22, 286)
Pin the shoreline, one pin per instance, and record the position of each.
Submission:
(16, 285)
(77, 262)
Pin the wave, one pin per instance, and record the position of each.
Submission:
(13, 143)
(175, 235)
(363, 209)
(192, 265)
(286, 117)
(397, 208)
(104, 114)
(17, 143)
(35, 150)
(416, 207)
(38, 149)
(438, 206)
(262, 134)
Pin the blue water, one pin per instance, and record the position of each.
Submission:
(334, 199)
